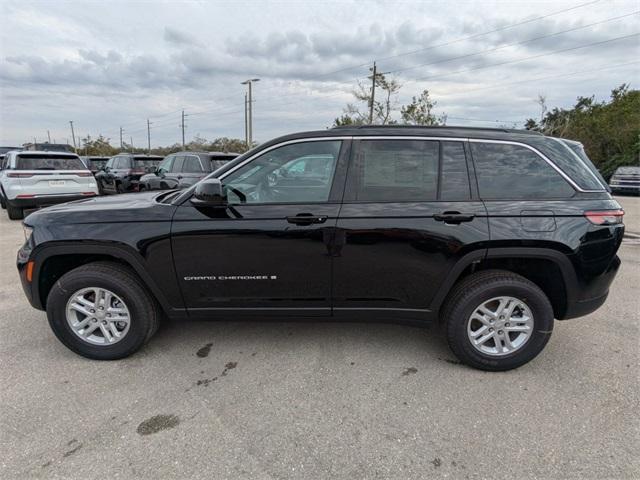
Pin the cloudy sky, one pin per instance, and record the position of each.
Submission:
(107, 64)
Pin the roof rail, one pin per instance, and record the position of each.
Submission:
(437, 127)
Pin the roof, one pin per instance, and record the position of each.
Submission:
(414, 131)
(51, 153)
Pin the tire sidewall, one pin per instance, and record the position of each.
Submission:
(56, 314)
(542, 324)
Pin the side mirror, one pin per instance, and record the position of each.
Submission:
(209, 193)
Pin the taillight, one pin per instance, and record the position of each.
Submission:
(19, 175)
(605, 217)
(84, 174)
(137, 171)
(25, 195)
(88, 193)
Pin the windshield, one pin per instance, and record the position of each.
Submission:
(49, 162)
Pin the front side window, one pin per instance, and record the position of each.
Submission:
(513, 172)
(395, 171)
(191, 165)
(296, 173)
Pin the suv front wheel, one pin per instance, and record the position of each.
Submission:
(101, 311)
(497, 320)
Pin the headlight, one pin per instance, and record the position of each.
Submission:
(27, 231)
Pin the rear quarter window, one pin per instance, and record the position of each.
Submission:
(49, 162)
(513, 172)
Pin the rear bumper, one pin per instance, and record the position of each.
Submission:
(46, 200)
(598, 293)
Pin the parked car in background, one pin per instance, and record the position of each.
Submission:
(183, 169)
(122, 173)
(495, 233)
(626, 180)
(95, 164)
(34, 179)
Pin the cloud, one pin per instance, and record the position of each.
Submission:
(176, 37)
(104, 71)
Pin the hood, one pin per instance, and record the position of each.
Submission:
(123, 208)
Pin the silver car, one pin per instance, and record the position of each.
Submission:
(36, 179)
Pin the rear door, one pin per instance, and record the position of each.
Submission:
(270, 251)
(409, 215)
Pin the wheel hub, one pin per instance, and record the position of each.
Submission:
(500, 326)
(98, 316)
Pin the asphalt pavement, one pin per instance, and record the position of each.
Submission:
(320, 400)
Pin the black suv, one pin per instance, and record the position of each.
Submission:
(183, 169)
(122, 173)
(494, 233)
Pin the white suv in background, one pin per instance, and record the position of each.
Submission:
(31, 179)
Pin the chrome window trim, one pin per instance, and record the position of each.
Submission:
(342, 137)
(541, 155)
(415, 137)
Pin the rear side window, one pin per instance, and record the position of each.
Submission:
(513, 172)
(567, 161)
(49, 162)
(395, 171)
(191, 165)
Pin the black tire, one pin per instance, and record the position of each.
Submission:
(15, 213)
(144, 310)
(3, 203)
(479, 287)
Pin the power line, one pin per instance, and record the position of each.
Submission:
(598, 69)
(450, 59)
(412, 52)
(482, 67)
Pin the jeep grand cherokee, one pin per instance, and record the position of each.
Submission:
(494, 233)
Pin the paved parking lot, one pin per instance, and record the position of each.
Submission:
(319, 400)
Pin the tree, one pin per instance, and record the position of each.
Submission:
(98, 147)
(609, 130)
(385, 103)
(419, 111)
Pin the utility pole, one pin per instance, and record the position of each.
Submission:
(121, 131)
(73, 135)
(250, 111)
(149, 136)
(246, 124)
(131, 138)
(182, 126)
(49, 136)
(373, 93)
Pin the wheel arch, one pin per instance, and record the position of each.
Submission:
(52, 262)
(549, 269)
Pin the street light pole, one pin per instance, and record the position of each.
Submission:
(249, 135)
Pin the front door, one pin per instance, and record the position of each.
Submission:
(409, 214)
(269, 251)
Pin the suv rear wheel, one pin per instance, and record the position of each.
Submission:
(497, 320)
(15, 213)
(101, 311)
